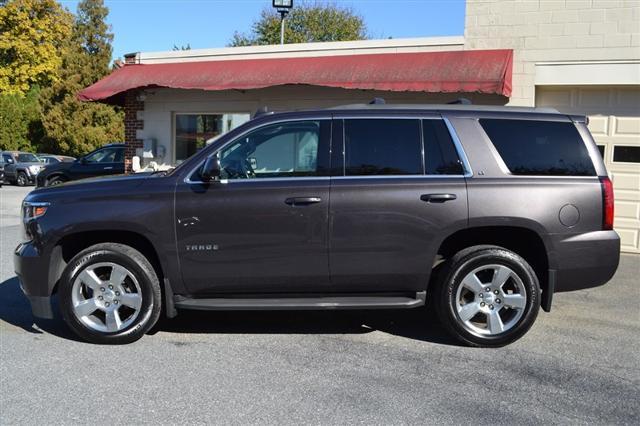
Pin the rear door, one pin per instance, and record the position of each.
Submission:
(399, 187)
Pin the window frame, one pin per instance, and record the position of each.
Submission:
(323, 143)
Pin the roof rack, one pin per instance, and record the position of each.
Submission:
(460, 101)
(263, 110)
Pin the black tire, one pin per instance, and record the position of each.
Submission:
(56, 180)
(22, 179)
(145, 275)
(450, 277)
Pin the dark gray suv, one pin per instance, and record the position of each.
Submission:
(480, 212)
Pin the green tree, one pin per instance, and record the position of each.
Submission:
(308, 22)
(33, 34)
(20, 120)
(73, 127)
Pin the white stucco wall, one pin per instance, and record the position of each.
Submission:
(549, 32)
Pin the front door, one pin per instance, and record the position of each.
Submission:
(401, 188)
(262, 228)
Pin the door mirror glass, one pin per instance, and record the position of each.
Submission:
(210, 169)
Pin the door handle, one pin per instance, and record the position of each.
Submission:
(108, 168)
(437, 198)
(302, 201)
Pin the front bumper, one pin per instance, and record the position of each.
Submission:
(585, 260)
(32, 269)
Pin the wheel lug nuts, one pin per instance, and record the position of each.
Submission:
(481, 303)
(490, 306)
(498, 301)
(110, 287)
(495, 292)
(101, 288)
(481, 294)
(106, 303)
(115, 302)
(100, 297)
(117, 293)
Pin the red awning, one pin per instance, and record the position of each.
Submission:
(479, 71)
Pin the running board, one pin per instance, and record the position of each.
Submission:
(301, 303)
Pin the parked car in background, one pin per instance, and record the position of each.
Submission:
(485, 211)
(1, 172)
(108, 160)
(21, 168)
(49, 159)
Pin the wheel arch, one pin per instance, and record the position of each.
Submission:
(523, 241)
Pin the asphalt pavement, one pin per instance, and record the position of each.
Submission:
(579, 364)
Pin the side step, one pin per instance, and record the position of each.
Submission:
(301, 303)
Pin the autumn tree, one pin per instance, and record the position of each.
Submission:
(33, 34)
(306, 23)
(73, 127)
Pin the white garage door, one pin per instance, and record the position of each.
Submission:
(614, 121)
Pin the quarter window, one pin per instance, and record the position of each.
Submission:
(533, 147)
(278, 150)
(106, 155)
(382, 147)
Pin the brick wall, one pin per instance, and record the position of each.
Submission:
(132, 123)
(553, 30)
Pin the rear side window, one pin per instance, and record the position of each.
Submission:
(440, 154)
(530, 147)
(382, 147)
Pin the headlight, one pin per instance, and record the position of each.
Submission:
(33, 210)
(34, 169)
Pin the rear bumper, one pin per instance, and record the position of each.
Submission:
(585, 260)
(32, 270)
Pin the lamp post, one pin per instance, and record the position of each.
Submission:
(283, 7)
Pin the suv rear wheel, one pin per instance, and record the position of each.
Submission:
(109, 293)
(487, 296)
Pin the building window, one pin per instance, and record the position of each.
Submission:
(626, 154)
(192, 131)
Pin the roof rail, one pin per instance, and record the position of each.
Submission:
(460, 101)
(377, 101)
(263, 110)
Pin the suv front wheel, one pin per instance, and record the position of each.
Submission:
(109, 293)
(487, 296)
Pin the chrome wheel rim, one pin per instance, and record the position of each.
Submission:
(490, 300)
(106, 297)
(21, 180)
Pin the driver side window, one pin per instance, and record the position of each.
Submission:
(277, 150)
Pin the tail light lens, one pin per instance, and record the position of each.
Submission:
(607, 203)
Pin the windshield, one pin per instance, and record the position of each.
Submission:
(27, 158)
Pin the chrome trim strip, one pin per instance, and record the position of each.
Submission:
(397, 177)
(257, 180)
(468, 171)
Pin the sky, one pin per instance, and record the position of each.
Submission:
(155, 25)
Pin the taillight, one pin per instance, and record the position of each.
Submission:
(607, 203)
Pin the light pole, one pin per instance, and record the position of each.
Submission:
(283, 7)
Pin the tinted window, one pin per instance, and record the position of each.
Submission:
(441, 157)
(530, 147)
(626, 154)
(279, 150)
(382, 147)
(27, 158)
(106, 155)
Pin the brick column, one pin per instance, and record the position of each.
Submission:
(131, 125)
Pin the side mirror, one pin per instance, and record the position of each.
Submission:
(82, 160)
(211, 169)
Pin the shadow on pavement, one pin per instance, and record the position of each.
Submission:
(15, 310)
(415, 324)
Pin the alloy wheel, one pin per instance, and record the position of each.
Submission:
(106, 297)
(490, 300)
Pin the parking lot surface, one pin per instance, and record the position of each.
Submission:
(579, 364)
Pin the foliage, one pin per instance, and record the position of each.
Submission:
(33, 34)
(73, 127)
(308, 22)
(20, 121)
(182, 47)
